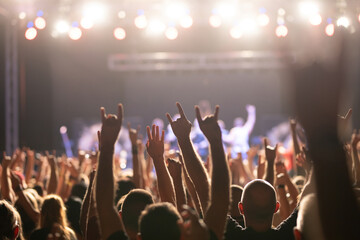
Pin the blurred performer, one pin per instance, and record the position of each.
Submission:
(239, 134)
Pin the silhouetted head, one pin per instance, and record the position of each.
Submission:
(258, 203)
(134, 203)
(10, 222)
(159, 221)
(238, 122)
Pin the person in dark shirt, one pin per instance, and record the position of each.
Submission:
(258, 205)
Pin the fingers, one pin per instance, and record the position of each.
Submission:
(120, 112)
(153, 130)
(348, 114)
(162, 135)
(181, 111)
(129, 126)
(102, 114)
(99, 136)
(148, 133)
(157, 134)
(169, 118)
(198, 115)
(265, 142)
(216, 114)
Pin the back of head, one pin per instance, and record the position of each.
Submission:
(52, 211)
(79, 190)
(308, 221)
(238, 122)
(134, 203)
(10, 222)
(259, 202)
(124, 186)
(236, 193)
(159, 221)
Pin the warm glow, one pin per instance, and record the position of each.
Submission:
(95, 11)
(235, 32)
(62, 26)
(281, 31)
(176, 10)
(330, 29)
(343, 21)
(30, 33)
(119, 33)
(249, 26)
(225, 10)
(186, 21)
(121, 14)
(22, 15)
(75, 33)
(40, 23)
(263, 20)
(315, 19)
(140, 22)
(155, 27)
(171, 33)
(215, 21)
(86, 23)
(308, 8)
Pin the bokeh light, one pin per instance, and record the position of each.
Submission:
(215, 21)
(75, 33)
(141, 22)
(281, 31)
(119, 33)
(330, 29)
(171, 33)
(40, 23)
(30, 33)
(186, 21)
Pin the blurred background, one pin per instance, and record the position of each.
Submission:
(60, 61)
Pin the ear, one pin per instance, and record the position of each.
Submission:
(277, 207)
(16, 232)
(138, 236)
(297, 234)
(241, 208)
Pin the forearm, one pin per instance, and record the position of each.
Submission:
(179, 192)
(53, 182)
(284, 204)
(164, 181)
(192, 191)
(356, 168)
(196, 171)
(136, 167)
(295, 141)
(85, 210)
(6, 187)
(291, 188)
(25, 204)
(29, 168)
(269, 177)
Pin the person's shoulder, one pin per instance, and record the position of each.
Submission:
(40, 233)
(118, 235)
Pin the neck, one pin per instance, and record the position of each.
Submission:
(258, 226)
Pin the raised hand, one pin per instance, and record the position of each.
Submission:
(270, 152)
(193, 228)
(6, 161)
(133, 134)
(209, 125)
(155, 143)
(174, 167)
(181, 126)
(355, 139)
(111, 125)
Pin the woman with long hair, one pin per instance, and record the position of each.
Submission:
(53, 222)
(10, 222)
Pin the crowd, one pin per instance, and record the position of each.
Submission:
(228, 195)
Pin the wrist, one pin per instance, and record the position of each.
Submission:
(18, 188)
(281, 186)
(107, 149)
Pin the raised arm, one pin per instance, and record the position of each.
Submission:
(109, 219)
(175, 170)
(251, 119)
(295, 140)
(215, 217)
(7, 192)
(194, 166)
(53, 182)
(133, 135)
(84, 212)
(270, 155)
(29, 165)
(155, 148)
(355, 139)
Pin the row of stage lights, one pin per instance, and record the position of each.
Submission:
(179, 15)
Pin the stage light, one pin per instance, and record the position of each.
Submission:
(30, 24)
(281, 12)
(22, 15)
(359, 17)
(141, 22)
(155, 27)
(225, 10)
(215, 21)
(121, 14)
(281, 31)
(248, 26)
(315, 19)
(30, 33)
(75, 33)
(171, 33)
(63, 130)
(86, 23)
(176, 10)
(308, 8)
(343, 21)
(95, 11)
(40, 23)
(119, 33)
(330, 29)
(263, 20)
(40, 13)
(186, 21)
(62, 26)
(235, 32)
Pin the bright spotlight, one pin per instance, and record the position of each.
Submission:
(315, 19)
(95, 11)
(330, 29)
(119, 33)
(75, 33)
(86, 23)
(248, 26)
(62, 26)
(140, 22)
(186, 21)
(343, 21)
(225, 10)
(308, 8)
(121, 14)
(235, 32)
(281, 31)
(22, 15)
(30, 33)
(171, 33)
(176, 10)
(215, 21)
(155, 27)
(40, 23)
(263, 20)
(359, 17)
(63, 129)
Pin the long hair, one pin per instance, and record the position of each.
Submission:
(9, 220)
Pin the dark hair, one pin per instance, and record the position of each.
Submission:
(159, 221)
(134, 203)
(124, 186)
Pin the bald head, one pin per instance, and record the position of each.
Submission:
(258, 201)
